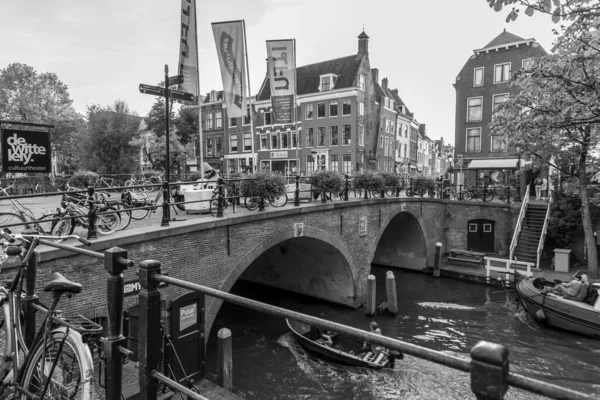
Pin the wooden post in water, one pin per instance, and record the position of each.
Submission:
(436, 262)
(390, 288)
(371, 295)
(224, 359)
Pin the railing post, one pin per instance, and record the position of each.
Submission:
(224, 359)
(114, 297)
(149, 339)
(366, 196)
(220, 199)
(489, 371)
(166, 217)
(91, 214)
(346, 188)
(383, 193)
(261, 204)
(297, 192)
(323, 197)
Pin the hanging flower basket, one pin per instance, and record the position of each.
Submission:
(263, 185)
(370, 181)
(327, 182)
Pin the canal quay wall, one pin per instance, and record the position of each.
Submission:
(321, 250)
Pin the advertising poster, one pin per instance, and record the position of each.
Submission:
(281, 59)
(26, 151)
(229, 38)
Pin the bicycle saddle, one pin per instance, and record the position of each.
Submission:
(61, 284)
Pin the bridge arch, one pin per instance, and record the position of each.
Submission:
(401, 241)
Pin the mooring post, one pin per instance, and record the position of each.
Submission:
(297, 192)
(489, 371)
(346, 188)
(224, 359)
(371, 307)
(390, 288)
(436, 261)
(166, 212)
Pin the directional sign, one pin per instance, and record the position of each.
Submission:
(176, 94)
(175, 80)
(158, 91)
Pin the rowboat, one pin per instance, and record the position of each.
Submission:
(556, 311)
(344, 350)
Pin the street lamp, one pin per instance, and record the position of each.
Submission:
(518, 173)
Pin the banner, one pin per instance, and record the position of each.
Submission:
(281, 63)
(229, 38)
(188, 51)
(25, 151)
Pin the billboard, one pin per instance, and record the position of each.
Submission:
(25, 151)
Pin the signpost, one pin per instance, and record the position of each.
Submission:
(158, 91)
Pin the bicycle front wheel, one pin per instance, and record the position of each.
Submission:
(214, 205)
(69, 373)
(9, 219)
(124, 214)
(279, 201)
(251, 203)
(108, 223)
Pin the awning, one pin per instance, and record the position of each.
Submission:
(505, 163)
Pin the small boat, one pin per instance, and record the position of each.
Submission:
(556, 311)
(344, 350)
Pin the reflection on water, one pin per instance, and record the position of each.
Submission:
(441, 314)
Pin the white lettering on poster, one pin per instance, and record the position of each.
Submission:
(22, 151)
(188, 316)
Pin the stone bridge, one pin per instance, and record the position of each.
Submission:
(321, 250)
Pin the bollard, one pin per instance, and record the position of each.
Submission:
(224, 359)
(166, 217)
(346, 188)
(220, 199)
(390, 288)
(149, 339)
(91, 214)
(323, 197)
(489, 371)
(371, 295)
(436, 261)
(366, 194)
(297, 192)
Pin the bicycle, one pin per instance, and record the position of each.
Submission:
(253, 202)
(152, 183)
(484, 194)
(58, 364)
(25, 216)
(75, 212)
(140, 205)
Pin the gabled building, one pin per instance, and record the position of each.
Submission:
(403, 121)
(386, 126)
(482, 85)
(213, 131)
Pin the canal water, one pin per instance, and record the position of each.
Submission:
(442, 314)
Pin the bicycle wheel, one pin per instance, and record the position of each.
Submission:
(449, 194)
(63, 227)
(487, 195)
(390, 192)
(107, 223)
(279, 201)
(7, 343)
(251, 203)
(124, 214)
(132, 183)
(73, 373)
(11, 218)
(213, 206)
(468, 195)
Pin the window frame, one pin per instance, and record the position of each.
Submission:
(361, 82)
(502, 72)
(218, 119)
(310, 134)
(361, 108)
(246, 135)
(528, 60)
(347, 161)
(480, 109)
(337, 135)
(233, 136)
(349, 130)
(318, 109)
(349, 103)
(321, 129)
(331, 105)
(502, 150)
(482, 69)
(264, 137)
(308, 107)
(361, 135)
(467, 140)
(334, 158)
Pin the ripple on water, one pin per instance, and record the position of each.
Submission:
(447, 306)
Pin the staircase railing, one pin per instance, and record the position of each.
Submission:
(515, 239)
(543, 235)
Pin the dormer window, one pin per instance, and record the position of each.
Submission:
(213, 96)
(327, 82)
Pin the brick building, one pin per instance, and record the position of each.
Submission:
(483, 84)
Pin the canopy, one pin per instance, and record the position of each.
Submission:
(504, 163)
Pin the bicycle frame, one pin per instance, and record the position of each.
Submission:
(25, 212)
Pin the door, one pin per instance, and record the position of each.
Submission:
(480, 235)
(321, 161)
(278, 166)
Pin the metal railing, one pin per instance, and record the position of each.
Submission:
(488, 365)
(520, 219)
(543, 235)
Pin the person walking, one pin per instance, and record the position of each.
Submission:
(544, 188)
(538, 187)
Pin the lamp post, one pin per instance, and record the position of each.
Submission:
(518, 173)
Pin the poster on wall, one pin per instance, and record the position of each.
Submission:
(25, 151)
(362, 226)
(298, 229)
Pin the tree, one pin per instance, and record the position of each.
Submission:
(186, 123)
(565, 10)
(555, 119)
(111, 131)
(155, 150)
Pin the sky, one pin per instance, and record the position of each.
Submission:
(103, 49)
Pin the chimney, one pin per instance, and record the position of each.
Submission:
(375, 73)
(384, 84)
(363, 44)
(423, 129)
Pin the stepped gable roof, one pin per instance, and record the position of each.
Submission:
(503, 39)
(307, 76)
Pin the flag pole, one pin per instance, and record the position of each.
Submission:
(254, 160)
(296, 111)
(198, 97)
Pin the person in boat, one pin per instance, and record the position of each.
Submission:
(325, 340)
(583, 290)
(566, 289)
(315, 332)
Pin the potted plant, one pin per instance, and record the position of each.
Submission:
(324, 182)
(370, 182)
(392, 183)
(263, 185)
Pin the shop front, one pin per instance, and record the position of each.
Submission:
(492, 172)
(282, 161)
(238, 163)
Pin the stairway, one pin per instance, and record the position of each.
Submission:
(529, 239)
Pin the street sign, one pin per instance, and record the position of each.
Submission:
(158, 91)
(175, 80)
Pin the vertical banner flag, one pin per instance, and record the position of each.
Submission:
(230, 50)
(281, 61)
(188, 49)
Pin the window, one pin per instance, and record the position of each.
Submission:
(501, 73)
(233, 143)
(391, 127)
(274, 141)
(209, 148)
(478, 77)
(472, 227)
(405, 131)
(321, 136)
(285, 140)
(361, 108)
(218, 147)
(264, 142)
(268, 118)
(333, 111)
(498, 143)
(294, 140)
(527, 63)
(333, 135)
(391, 103)
(346, 107)
(499, 99)
(386, 150)
(209, 121)
(247, 117)
(361, 135)
(361, 82)
(218, 119)
(387, 125)
(310, 164)
(232, 121)
(347, 164)
(334, 163)
(247, 141)
(473, 140)
(321, 110)
(231, 165)
(347, 135)
(405, 150)
(381, 141)
(487, 228)
(325, 83)
(310, 138)
(308, 111)
(474, 109)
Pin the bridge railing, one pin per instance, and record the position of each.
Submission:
(488, 365)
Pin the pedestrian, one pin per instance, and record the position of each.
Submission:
(544, 188)
(538, 187)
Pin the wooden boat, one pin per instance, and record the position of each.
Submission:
(344, 350)
(556, 311)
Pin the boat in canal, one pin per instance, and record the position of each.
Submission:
(344, 350)
(556, 311)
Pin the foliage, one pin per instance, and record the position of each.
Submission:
(370, 181)
(324, 181)
(156, 120)
(263, 184)
(155, 150)
(423, 184)
(186, 123)
(81, 179)
(391, 180)
(565, 10)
